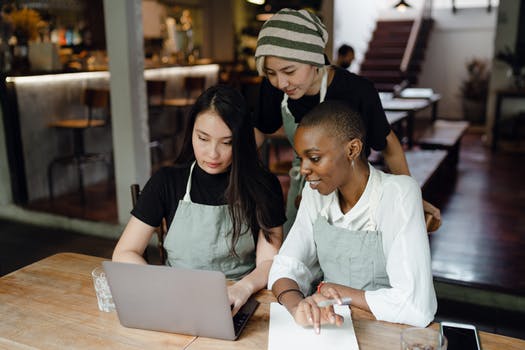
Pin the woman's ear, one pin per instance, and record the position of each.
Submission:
(353, 149)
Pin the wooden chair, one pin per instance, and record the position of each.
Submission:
(160, 231)
(93, 100)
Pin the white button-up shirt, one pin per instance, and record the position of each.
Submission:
(399, 216)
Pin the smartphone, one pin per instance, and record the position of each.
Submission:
(460, 336)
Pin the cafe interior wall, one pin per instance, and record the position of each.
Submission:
(454, 40)
(470, 33)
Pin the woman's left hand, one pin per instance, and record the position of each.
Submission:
(238, 295)
(432, 216)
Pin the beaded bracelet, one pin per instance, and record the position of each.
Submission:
(286, 291)
(320, 285)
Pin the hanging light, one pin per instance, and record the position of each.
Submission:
(401, 6)
(256, 2)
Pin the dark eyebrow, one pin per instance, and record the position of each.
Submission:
(309, 150)
(206, 134)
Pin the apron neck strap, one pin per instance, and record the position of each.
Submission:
(188, 184)
(375, 181)
(324, 85)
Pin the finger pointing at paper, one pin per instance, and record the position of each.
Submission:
(309, 313)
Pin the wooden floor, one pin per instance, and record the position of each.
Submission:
(482, 240)
(481, 243)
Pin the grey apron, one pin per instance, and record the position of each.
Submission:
(352, 258)
(199, 237)
(296, 180)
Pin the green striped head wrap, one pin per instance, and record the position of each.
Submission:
(295, 35)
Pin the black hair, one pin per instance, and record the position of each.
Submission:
(339, 120)
(345, 49)
(248, 194)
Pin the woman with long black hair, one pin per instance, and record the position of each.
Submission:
(223, 210)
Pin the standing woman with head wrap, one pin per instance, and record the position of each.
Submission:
(290, 55)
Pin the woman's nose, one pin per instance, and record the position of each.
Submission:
(305, 170)
(282, 81)
(213, 151)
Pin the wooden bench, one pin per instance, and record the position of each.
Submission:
(424, 165)
(446, 135)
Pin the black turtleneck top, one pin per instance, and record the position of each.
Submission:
(162, 193)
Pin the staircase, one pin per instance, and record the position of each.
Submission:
(383, 60)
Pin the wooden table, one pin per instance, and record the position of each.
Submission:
(51, 304)
(411, 106)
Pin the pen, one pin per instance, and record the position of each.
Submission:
(325, 303)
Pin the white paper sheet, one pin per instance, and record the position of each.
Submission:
(285, 334)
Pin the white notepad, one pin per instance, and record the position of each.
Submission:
(285, 334)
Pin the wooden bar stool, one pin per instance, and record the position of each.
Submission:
(193, 86)
(93, 99)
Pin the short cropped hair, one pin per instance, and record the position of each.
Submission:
(338, 119)
(345, 49)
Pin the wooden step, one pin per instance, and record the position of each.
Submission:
(371, 64)
(394, 26)
(384, 54)
(382, 42)
(390, 36)
(395, 22)
(403, 32)
(388, 50)
(371, 74)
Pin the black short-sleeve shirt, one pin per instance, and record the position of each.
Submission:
(162, 193)
(357, 91)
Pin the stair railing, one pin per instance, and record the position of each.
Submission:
(426, 13)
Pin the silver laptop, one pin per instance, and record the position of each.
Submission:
(175, 300)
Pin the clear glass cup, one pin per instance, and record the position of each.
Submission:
(422, 339)
(104, 298)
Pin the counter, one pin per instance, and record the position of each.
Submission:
(30, 103)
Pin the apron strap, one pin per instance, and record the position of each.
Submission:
(374, 196)
(187, 197)
(324, 85)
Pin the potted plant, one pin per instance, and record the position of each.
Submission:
(516, 63)
(474, 91)
(26, 23)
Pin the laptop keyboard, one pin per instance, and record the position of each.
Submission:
(239, 321)
(243, 315)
